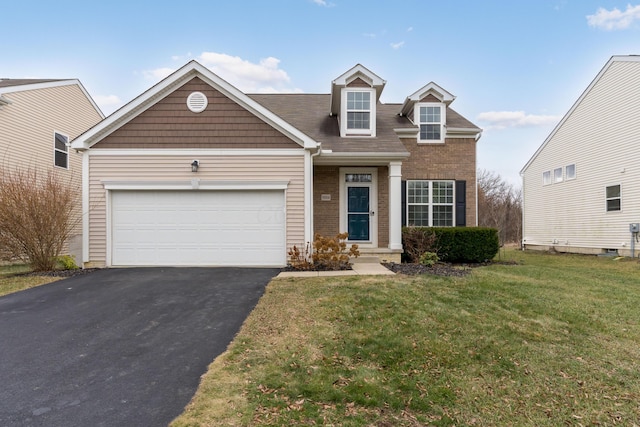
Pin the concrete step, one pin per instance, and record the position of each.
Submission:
(366, 259)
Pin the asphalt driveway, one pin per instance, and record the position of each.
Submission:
(118, 347)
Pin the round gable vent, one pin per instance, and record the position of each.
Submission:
(197, 102)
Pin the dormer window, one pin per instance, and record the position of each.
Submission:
(430, 117)
(358, 112)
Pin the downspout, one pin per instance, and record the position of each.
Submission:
(310, 192)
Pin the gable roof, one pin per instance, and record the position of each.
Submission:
(612, 60)
(430, 89)
(168, 85)
(357, 72)
(21, 85)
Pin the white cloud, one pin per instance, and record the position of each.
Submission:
(512, 119)
(265, 76)
(158, 73)
(409, 29)
(107, 100)
(397, 45)
(614, 19)
(322, 3)
(369, 35)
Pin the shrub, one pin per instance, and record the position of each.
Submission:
(329, 253)
(36, 217)
(429, 259)
(416, 241)
(67, 262)
(461, 244)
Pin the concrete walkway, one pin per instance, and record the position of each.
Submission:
(359, 269)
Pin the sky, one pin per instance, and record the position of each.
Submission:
(516, 67)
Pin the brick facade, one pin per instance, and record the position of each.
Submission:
(453, 160)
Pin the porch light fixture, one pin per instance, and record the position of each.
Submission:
(194, 166)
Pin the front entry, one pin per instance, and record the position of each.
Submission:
(358, 205)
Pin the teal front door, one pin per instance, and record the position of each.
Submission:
(358, 213)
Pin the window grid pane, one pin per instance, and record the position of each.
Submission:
(442, 216)
(418, 215)
(356, 120)
(430, 203)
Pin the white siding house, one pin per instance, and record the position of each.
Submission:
(581, 188)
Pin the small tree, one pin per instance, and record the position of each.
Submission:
(499, 206)
(36, 217)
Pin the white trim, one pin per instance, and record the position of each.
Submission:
(368, 159)
(430, 88)
(86, 210)
(169, 84)
(376, 83)
(55, 150)
(373, 204)
(430, 204)
(195, 152)
(443, 121)
(109, 219)
(308, 197)
(395, 205)
(195, 184)
(371, 131)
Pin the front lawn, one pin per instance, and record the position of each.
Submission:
(553, 340)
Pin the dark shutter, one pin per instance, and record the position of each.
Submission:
(404, 203)
(461, 203)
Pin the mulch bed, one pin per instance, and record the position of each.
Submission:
(439, 269)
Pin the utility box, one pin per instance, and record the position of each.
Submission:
(634, 227)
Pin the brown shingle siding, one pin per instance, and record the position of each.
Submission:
(170, 124)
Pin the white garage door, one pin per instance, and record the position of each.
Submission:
(208, 228)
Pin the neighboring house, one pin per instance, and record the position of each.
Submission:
(38, 119)
(582, 187)
(196, 172)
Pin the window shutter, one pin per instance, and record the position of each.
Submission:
(461, 203)
(404, 203)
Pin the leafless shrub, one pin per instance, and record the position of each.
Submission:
(36, 216)
(500, 206)
(416, 241)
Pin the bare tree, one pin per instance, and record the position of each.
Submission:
(36, 216)
(499, 206)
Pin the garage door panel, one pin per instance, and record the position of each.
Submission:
(198, 228)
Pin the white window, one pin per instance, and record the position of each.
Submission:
(359, 115)
(430, 203)
(557, 175)
(61, 150)
(613, 198)
(570, 172)
(546, 178)
(430, 119)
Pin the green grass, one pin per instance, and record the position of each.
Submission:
(11, 281)
(553, 340)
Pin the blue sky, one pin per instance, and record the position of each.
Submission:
(516, 67)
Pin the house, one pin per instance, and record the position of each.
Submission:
(195, 172)
(582, 186)
(38, 119)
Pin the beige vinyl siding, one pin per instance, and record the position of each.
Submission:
(601, 138)
(27, 127)
(150, 168)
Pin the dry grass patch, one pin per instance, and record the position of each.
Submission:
(11, 282)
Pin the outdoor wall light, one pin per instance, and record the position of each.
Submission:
(194, 166)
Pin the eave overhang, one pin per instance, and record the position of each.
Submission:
(171, 83)
(361, 72)
(430, 89)
(360, 158)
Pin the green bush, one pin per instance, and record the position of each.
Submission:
(429, 259)
(459, 244)
(67, 262)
